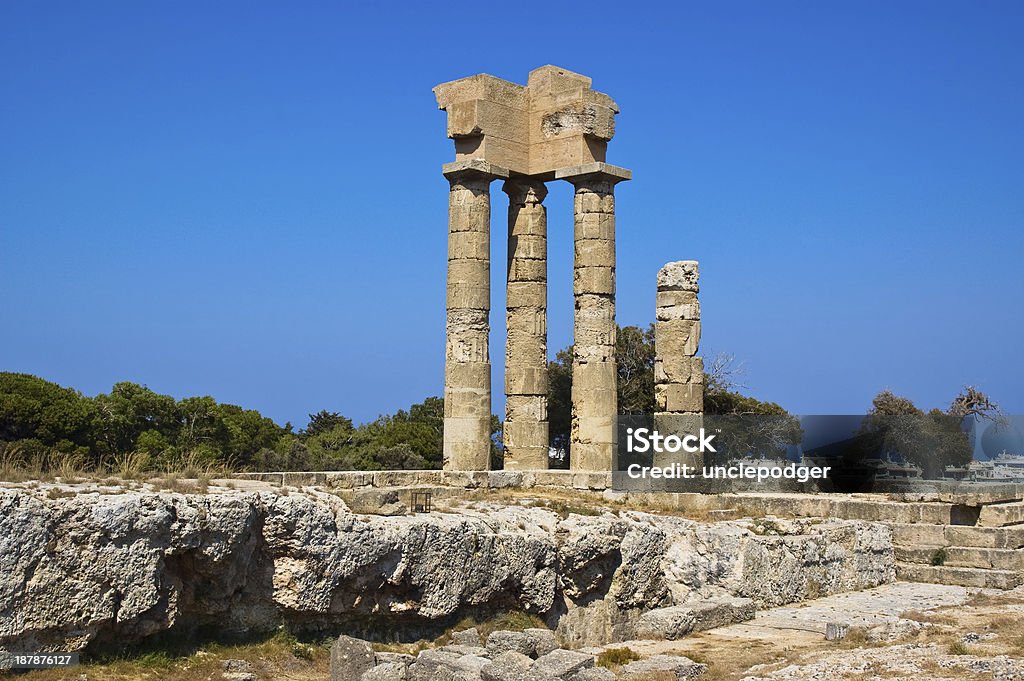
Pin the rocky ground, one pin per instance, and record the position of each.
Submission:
(491, 589)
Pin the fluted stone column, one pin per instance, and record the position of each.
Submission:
(526, 350)
(594, 374)
(467, 370)
(678, 372)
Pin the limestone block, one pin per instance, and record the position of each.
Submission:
(473, 273)
(677, 305)
(594, 400)
(473, 214)
(591, 480)
(594, 376)
(585, 456)
(466, 347)
(527, 407)
(677, 337)
(682, 275)
(675, 298)
(500, 119)
(350, 657)
(501, 152)
(671, 423)
(527, 294)
(561, 663)
(662, 666)
(528, 325)
(593, 307)
(594, 280)
(590, 202)
(542, 640)
(467, 637)
(587, 351)
(528, 270)
(997, 515)
(502, 641)
(526, 380)
(529, 222)
(679, 397)
(526, 434)
(377, 502)
(595, 429)
(467, 429)
(466, 296)
(594, 225)
(677, 621)
(439, 665)
(594, 252)
(469, 401)
(508, 666)
(550, 154)
(389, 671)
(482, 86)
(527, 246)
(403, 659)
(526, 445)
(473, 455)
(552, 478)
(527, 459)
(675, 368)
(471, 245)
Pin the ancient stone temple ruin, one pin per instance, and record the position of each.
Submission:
(554, 128)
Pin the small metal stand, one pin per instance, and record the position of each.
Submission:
(421, 502)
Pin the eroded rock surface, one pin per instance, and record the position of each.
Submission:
(101, 569)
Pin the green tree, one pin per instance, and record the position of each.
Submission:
(33, 408)
(754, 426)
(128, 411)
(323, 421)
(248, 432)
(932, 440)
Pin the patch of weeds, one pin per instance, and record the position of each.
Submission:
(616, 657)
(960, 648)
(939, 557)
(513, 620)
(564, 510)
(154, 660)
(766, 527)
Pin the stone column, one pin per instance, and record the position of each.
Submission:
(467, 369)
(594, 374)
(678, 372)
(526, 350)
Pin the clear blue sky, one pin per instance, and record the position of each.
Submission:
(245, 200)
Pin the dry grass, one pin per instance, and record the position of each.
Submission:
(929, 617)
(189, 472)
(613, 658)
(731, 662)
(279, 657)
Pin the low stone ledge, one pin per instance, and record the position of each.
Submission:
(679, 620)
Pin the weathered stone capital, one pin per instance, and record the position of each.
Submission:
(596, 176)
(524, 190)
(473, 171)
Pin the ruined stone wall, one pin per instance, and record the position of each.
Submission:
(678, 372)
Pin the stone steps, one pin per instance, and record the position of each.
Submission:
(918, 534)
(999, 515)
(959, 576)
(963, 556)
